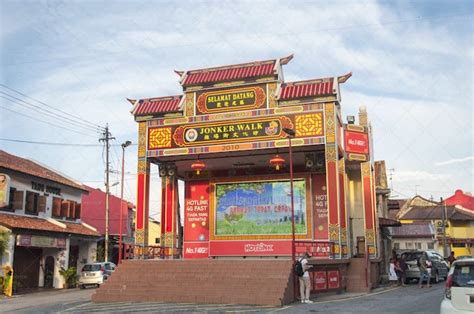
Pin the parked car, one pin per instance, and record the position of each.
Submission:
(92, 274)
(109, 269)
(459, 293)
(439, 268)
(464, 257)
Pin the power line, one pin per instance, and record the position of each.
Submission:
(46, 112)
(40, 120)
(64, 112)
(55, 143)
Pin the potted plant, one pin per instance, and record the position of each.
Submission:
(70, 277)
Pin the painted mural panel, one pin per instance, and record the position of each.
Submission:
(259, 208)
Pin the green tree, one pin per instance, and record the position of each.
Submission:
(3, 242)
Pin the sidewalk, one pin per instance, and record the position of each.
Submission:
(331, 297)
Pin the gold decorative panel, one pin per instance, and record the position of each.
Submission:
(141, 139)
(330, 123)
(309, 124)
(159, 138)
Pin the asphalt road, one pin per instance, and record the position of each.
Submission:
(409, 299)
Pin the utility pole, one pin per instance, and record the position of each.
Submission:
(445, 251)
(107, 137)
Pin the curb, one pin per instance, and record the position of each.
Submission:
(357, 296)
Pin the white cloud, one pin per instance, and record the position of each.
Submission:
(454, 161)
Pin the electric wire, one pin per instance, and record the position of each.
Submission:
(59, 110)
(47, 113)
(47, 122)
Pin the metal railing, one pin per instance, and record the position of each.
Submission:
(134, 251)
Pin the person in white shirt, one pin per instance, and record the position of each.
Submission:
(305, 282)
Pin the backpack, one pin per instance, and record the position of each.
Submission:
(418, 263)
(298, 268)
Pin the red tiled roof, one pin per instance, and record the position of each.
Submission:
(413, 230)
(11, 221)
(157, 105)
(228, 73)
(304, 89)
(460, 198)
(77, 228)
(23, 165)
(24, 222)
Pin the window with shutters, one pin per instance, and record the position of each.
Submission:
(57, 207)
(65, 207)
(32, 202)
(9, 207)
(77, 212)
(72, 210)
(42, 204)
(18, 200)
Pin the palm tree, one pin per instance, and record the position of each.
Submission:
(3, 242)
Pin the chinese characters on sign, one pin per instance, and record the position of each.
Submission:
(231, 100)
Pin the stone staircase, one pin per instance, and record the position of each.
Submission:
(239, 281)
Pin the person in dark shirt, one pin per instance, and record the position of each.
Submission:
(451, 258)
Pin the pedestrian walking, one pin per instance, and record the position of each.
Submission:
(392, 274)
(403, 270)
(305, 283)
(424, 275)
(451, 259)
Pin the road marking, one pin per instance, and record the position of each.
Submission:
(161, 306)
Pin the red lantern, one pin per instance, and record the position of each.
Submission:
(198, 166)
(277, 161)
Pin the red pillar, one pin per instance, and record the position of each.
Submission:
(143, 188)
(369, 208)
(332, 179)
(169, 208)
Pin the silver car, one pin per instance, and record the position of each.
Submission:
(92, 274)
(439, 270)
(459, 294)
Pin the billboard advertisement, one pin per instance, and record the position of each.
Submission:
(196, 211)
(259, 208)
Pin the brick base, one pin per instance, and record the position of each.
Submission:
(256, 282)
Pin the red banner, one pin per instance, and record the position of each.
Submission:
(196, 250)
(356, 142)
(320, 207)
(320, 280)
(196, 211)
(315, 249)
(333, 279)
(250, 248)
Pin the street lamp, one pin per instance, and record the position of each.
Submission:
(127, 143)
(290, 134)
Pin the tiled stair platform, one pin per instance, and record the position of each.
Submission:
(239, 281)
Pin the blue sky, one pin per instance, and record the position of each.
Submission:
(412, 67)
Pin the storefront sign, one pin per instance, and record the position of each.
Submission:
(250, 248)
(231, 100)
(4, 190)
(356, 142)
(40, 241)
(320, 280)
(196, 211)
(231, 132)
(333, 279)
(196, 249)
(45, 188)
(315, 249)
(320, 207)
